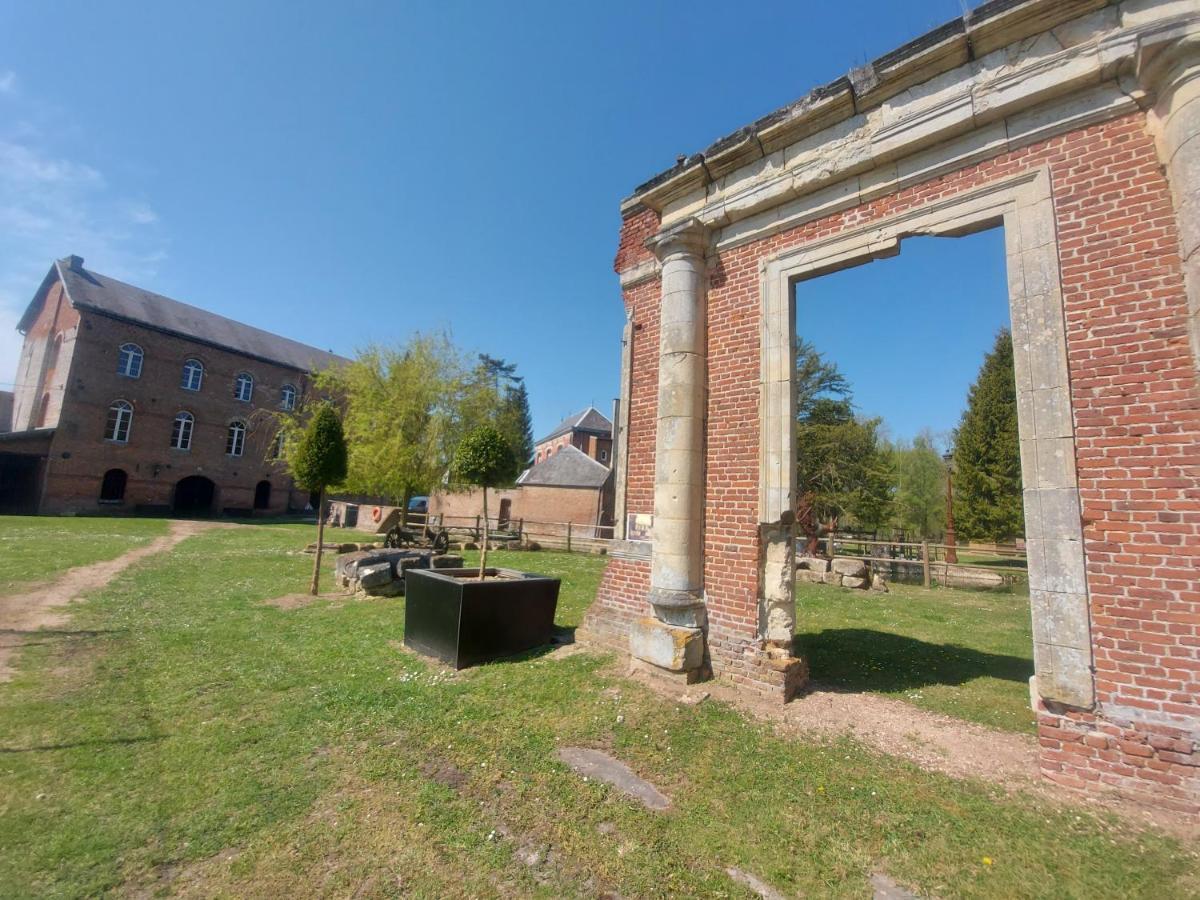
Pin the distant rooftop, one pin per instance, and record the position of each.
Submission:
(590, 421)
(107, 296)
(569, 467)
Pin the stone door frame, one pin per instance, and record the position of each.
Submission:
(1023, 204)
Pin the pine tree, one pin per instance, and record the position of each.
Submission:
(987, 454)
(516, 424)
(319, 461)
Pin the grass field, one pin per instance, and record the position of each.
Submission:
(32, 548)
(190, 740)
(963, 653)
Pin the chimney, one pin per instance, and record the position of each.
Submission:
(74, 263)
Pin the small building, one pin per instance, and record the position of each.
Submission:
(589, 431)
(567, 485)
(128, 401)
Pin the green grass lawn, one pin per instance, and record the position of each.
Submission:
(32, 548)
(964, 653)
(198, 742)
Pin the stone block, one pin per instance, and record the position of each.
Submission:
(374, 575)
(856, 583)
(813, 564)
(666, 646)
(853, 568)
(832, 578)
(446, 561)
(878, 584)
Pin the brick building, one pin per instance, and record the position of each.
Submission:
(129, 401)
(571, 481)
(1075, 126)
(589, 431)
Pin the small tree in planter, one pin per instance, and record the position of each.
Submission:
(318, 462)
(484, 458)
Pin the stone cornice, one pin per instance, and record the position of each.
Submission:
(994, 102)
(1168, 53)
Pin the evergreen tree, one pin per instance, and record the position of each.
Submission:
(516, 424)
(987, 456)
(317, 463)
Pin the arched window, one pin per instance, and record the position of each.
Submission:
(193, 375)
(112, 488)
(243, 388)
(129, 363)
(181, 432)
(55, 350)
(287, 397)
(235, 442)
(43, 411)
(120, 418)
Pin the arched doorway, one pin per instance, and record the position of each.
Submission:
(262, 495)
(194, 496)
(112, 488)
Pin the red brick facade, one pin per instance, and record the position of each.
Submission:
(1136, 407)
(82, 383)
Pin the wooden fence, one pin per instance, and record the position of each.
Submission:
(930, 558)
(570, 536)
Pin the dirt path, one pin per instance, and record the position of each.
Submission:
(22, 614)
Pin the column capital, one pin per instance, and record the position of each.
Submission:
(1168, 55)
(688, 238)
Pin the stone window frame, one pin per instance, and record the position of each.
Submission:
(190, 365)
(240, 379)
(287, 396)
(130, 359)
(1023, 204)
(120, 422)
(181, 438)
(235, 438)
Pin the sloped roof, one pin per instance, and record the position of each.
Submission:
(591, 420)
(107, 296)
(569, 467)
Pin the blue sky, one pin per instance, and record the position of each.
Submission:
(348, 172)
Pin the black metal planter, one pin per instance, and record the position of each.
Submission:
(451, 615)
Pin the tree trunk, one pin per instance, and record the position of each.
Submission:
(483, 548)
(404, 508)
(320, 542)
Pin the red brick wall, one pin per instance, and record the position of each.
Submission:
(152, 465)
(1137, 413)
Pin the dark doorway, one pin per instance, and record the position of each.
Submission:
(262, 495)
(20, 483)
(194, 496)
(505, 513)
(112, 488)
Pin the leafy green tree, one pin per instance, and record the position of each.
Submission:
(920, 487)
(987, 456)
(318, 461)
(484, 458)
(403, 415)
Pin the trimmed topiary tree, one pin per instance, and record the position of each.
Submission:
(484, 458)
(317, 463)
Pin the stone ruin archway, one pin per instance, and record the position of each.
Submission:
(1077, 127)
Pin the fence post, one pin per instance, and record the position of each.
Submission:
(521, 529)
(925, 562)
(568, 537)
(478, 531)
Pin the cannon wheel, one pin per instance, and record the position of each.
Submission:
(441, 541)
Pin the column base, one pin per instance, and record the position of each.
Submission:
(684, 609)
(668, 647)
(666, 676)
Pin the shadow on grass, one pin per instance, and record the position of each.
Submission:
(857, 659)
(70, 745)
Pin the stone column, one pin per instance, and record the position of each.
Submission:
(1168, 67)
(673, 639)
